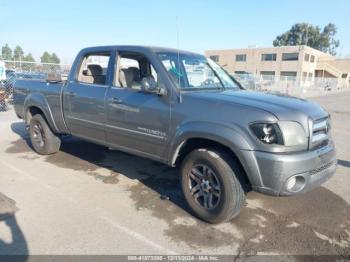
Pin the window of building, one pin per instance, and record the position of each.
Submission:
(241, 58)
(312, 59)
(268, 57)
(267, 75)
(304, 76)
(307, 57)
(288, 75)
(290, 56)
(93, 69)
(215, 58)
(344, 75)
(310, 76)
(241, 72)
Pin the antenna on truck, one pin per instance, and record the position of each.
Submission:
(178, 56)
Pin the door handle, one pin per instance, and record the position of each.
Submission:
(116, 100)
(71, 93)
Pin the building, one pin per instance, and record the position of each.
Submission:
(301, 64)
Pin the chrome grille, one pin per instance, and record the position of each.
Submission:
(319, 132)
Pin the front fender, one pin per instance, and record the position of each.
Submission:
(232, 136)
(38, 100)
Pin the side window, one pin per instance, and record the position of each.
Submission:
(93, 69)
(132, 68)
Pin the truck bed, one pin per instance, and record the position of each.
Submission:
(44, 93)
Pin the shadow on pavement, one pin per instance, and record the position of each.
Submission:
(344, 163)
(18, 245)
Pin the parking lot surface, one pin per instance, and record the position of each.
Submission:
(87, 199)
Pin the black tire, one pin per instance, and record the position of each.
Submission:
(209, 203)
(43, 140)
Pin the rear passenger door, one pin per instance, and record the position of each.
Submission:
(136, 121)
(84, 97)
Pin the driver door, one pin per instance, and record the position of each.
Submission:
(137, 121)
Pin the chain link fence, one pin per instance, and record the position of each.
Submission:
(10, 71)
(295, 86)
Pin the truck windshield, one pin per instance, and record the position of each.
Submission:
(193, 72)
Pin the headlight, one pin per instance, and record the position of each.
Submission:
(267, 133)
(286, 133)
(293, 133)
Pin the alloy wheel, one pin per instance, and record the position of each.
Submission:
(204, 186)
(38, 135)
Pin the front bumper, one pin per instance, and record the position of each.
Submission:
(273, 170)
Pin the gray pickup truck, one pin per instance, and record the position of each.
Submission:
(182, 109)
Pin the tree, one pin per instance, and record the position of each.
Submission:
(18, 53)
(29, 58)
(45, 58)
(55, 59)
(6, 52)
(328, 40)
(310, 35)
(29, 66)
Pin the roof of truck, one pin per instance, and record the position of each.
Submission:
(136, 48)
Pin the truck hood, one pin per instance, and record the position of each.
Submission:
(284, 107)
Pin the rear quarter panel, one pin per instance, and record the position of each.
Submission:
(44, 95)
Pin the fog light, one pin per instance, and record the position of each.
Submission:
(295, 183)
(291, 183)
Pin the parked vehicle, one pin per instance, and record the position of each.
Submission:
(2, 71)
(182, 109)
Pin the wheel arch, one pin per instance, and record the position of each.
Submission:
(36, 103)
(225, 138)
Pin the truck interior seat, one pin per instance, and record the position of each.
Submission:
(136, 82)
(136, 73)
(94, 75)
(126, 77)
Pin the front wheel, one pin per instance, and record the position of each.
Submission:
(43, 140)
(210, 184)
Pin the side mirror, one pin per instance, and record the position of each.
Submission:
(148, 84)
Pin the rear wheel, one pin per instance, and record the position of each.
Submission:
(210, 184)
(43, 140)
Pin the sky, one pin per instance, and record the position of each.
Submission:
(64, 27)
